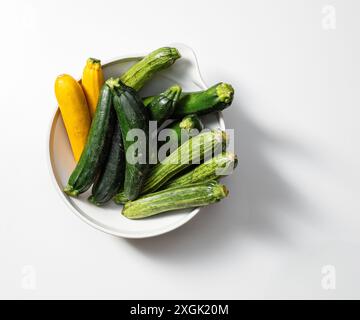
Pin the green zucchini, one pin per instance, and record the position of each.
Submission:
(111, 177)
(195, 150)
(216, 98)
(221, 165)
(191, 121)
(196, 195)
(143, 70)
(163, 105)
(86, 169)
(181, 130)
(131, 114)
(120, 198)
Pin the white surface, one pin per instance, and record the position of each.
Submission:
(185, 73)
(295, 199)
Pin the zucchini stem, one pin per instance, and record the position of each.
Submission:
(69, 190)
(113, 83)
(93, 63)
(195, 195)
(225, 92)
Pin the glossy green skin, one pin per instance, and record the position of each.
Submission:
(223, 163)
(111, 177)
(143, 70)
(216, 98)
(132, 114)
(196, 195)
(87, 168)
(163, 105)
(195, 149)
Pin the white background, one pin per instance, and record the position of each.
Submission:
(294, 200)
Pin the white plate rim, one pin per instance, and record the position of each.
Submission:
(64, 197)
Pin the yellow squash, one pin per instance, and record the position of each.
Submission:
(74, 111)
(92, 81)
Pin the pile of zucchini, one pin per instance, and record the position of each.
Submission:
(146, 186)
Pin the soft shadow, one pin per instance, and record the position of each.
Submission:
(256, 192)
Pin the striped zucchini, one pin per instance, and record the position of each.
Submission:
(143, 70)
(221, 165)
(196, 195)
(181, 130)
(195, 150)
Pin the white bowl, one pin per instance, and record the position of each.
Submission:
(184, 72)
